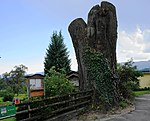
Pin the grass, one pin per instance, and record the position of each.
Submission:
(9, 119)
(139, 93)
(21, 96)
(1, 99)
(5, 103)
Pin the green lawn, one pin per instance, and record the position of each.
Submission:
(1, 99)
(10, 119)
(22, 96)
(138, 93)
(5, 103)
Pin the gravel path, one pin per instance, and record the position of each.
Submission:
(141, 112)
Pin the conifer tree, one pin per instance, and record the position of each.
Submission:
(57, 54)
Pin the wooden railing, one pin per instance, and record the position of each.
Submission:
(52, 107)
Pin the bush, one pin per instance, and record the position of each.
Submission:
(143, 89)
(22, 97)
(56, 83)
(129, 81)
(123, 104)
(3, 93)
(8, 97)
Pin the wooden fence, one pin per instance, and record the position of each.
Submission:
(53, 107)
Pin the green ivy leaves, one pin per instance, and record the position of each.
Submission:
(99, 76)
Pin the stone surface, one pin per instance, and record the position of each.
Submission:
(100, 34)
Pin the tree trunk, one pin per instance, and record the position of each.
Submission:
(100, 34)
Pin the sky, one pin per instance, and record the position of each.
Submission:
(27, 25)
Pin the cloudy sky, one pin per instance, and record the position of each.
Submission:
(26, 27)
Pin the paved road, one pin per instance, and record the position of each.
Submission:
(141, 112)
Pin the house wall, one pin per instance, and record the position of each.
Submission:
(75, 81)
(145, 80)
(74, 77)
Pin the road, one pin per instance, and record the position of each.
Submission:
(141, 112)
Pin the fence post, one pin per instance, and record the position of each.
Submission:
(93, 97)
(29, 109)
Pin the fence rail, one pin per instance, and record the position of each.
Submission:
(53, 106)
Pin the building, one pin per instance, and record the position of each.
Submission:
(74, 77)
(145, 79)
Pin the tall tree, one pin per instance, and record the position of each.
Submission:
(2, 84)
(6, 79)
(57, 54)
(15, 79)
(18, 78)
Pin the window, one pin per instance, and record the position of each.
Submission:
(35, 83)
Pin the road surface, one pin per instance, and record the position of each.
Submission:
(141, 112)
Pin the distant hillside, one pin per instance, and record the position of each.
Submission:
(29, 74)
(42, 73)
(142, 65)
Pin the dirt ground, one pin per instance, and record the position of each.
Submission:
(98, 116)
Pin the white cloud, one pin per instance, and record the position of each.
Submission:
(134, 45)
(32, 67)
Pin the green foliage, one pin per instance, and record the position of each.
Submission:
(2, 84)
(143, 89)
(7, 103)
(129, 81)
(57, 54)
(139, 93)
(2, 93)
(10, 119)
(14, 80)
(100, 77)
(22, 97)
(23, 90)
(56, 83)
(123, 104)
(1, 99)
(18, 78)
(8, 97)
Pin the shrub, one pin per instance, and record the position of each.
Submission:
(2, 93)
(143, 89)
(8, 97)
(56, 83)
(129, 81)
